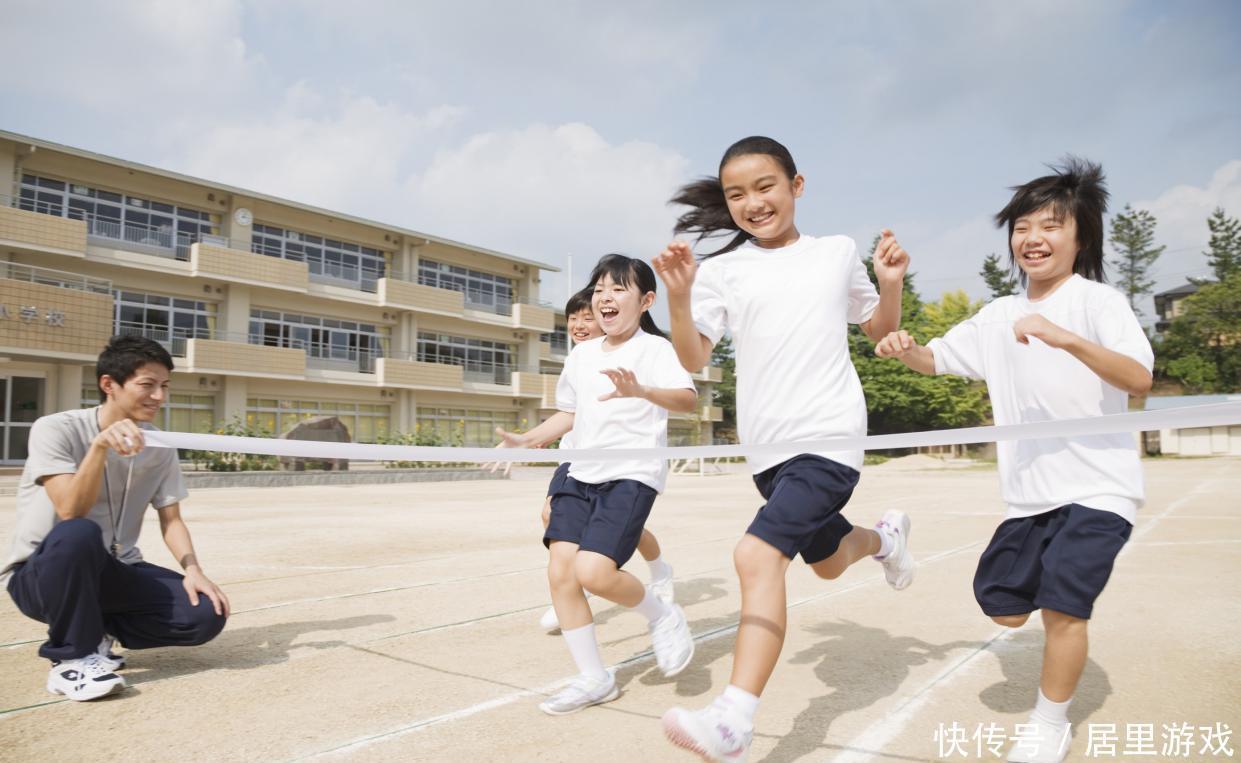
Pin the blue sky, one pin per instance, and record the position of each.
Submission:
(549, 128)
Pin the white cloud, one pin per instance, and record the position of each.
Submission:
(1181, 213)
(136, 61)
(345, 152)
(547, 191)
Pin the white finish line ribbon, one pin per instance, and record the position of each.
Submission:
(1219, 414)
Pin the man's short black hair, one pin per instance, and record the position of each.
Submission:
(124, 355)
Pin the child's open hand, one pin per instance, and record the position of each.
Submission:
(626, 384)
(896, 345)
(890, 259)
(1042, 329)
(509, 440)
(676, 267)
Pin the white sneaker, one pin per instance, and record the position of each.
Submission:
(899, 564)
(673, 643)
(713, 732)
(581, 693)
(550, 622)
(1040, 742)
(82, 679)
(662, 589)
(109, 658)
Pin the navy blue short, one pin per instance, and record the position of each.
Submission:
(1060, 559)
(606, 518)
(802, 515)
(562, 473)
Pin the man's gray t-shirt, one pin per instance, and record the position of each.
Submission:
(58, 444)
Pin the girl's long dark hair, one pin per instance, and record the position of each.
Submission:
(708, 213)
(626, 271)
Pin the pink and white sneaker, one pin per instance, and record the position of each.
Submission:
(715, 732)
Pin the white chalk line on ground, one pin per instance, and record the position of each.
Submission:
(507, 699)
(894, 723)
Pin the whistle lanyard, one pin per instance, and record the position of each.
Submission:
(114, 516)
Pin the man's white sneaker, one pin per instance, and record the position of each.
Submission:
(662, 589)
(673, 643)
(581, 693)
(83, 679)
(899, 564)
(109, 658)
(713, 732)
(1040, 742)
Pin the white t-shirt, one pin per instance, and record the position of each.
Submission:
(788, 311)
(58, 444)
(620, 422)
(1035, 382)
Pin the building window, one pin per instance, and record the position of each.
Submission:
(482, 360)
(166, 228)
(328, 261)
(329, 343)
(465, 427)
(167, 320)
(558, 339)
(483, 291)
(180, 413)
(366, 422)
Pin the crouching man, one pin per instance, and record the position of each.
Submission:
(75, 565)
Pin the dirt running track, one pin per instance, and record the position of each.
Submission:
(399, 622)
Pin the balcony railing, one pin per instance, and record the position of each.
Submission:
(474, 371)
(15, 271)
(172, 339)
(348, 276)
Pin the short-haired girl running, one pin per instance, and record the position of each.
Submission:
(582, 326)
(615, 392)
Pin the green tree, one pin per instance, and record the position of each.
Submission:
(725, 393)
(1224, 254)
(900, 400)
(1133, 236)
(1202, 347)
(1000, 280)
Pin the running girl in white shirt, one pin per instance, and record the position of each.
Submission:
(787, 300)
(615, 392)
(582, 326)
(1070, 347)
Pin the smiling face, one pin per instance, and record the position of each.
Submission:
(142, 394)
(760, 197)
(1044, 244)
(618, 307)
(583, 326)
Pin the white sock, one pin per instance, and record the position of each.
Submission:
(740, 700)
(585, 651)
(885, 543)
(660, 570)
(1052, 712)
(651, 607)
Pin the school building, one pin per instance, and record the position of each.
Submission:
(274, 311)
